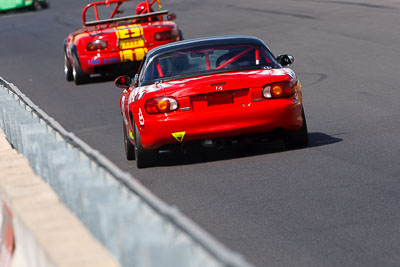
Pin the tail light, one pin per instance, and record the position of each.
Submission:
(161, 105)
(163, 36)
(278, 90)
(96, 45)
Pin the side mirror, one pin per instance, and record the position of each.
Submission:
(285, 60)
(123, 81)
(171, 16)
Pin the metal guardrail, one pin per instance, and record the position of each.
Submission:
(136, 226)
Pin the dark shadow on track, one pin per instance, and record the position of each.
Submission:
(321, 139)
(111, 72)
(203, 155)
(103, 78)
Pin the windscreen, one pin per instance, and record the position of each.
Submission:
(206, 60)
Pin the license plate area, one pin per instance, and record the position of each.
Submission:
(130, 43)
(220, 99)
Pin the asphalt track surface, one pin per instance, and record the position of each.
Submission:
(335, 203)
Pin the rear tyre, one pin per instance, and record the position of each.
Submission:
(299, 138)
(143, 157)
(129, 147)
(44, 4)
(79, 76)
(35, 5)
(68, 70)
(180, 35)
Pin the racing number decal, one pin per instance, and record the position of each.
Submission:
(141, 118)
(131, 43)
(124, 32)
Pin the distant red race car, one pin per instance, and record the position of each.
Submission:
(116, 42)
(207, 89)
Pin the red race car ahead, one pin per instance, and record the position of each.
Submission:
(114, 43)
(207, 89)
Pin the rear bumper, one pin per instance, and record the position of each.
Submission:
(259, 117)
(90, 63)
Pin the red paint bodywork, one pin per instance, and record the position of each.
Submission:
(7, 242)
(249, 113)
(92, 62)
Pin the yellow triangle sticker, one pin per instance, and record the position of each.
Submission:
(131, 135)
(179, 136)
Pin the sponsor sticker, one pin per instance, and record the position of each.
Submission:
(179, 136)
(141, 118)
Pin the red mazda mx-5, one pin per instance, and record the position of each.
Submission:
(116, 35)
(207, 89)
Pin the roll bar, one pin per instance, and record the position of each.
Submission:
(153, 14)
(115, 11)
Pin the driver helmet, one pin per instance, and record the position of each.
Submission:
(141, 8)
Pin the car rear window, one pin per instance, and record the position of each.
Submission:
(206, 60)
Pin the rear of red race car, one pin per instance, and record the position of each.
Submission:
(221, 106)
(117, 43)
(210, 89)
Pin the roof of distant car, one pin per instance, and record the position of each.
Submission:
(205, 41)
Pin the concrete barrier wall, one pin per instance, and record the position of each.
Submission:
(136, 227)
(44, 231)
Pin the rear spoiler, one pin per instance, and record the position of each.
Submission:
(152, 14)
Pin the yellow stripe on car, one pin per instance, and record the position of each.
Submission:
(131, 42)
(133, 55)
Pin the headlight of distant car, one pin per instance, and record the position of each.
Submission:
(278, 90)
(96, 45)
(161, 105)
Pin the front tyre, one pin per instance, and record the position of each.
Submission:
(299, 138)
(129, 147)
(143, 157)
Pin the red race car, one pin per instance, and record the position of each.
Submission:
(116, 43)
(210, 89)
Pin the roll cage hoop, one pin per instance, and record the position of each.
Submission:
(146, 12)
